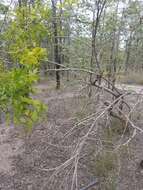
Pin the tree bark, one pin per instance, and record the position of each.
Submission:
(56, 43)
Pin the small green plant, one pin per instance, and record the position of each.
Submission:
(105, 163)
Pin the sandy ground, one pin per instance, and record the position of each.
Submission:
(133, 88)
(20, 160)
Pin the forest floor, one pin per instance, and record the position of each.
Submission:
(25, 160)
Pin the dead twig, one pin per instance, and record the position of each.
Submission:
(92, 184)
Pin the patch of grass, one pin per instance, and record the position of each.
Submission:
(105, 163)
(111, 183)
(106, 168)
(116, 128)
(80, 115)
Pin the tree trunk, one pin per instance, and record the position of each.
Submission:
(56, 43)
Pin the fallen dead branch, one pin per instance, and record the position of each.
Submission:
(74, 159)
(115, 106)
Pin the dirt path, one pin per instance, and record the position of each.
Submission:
(133, 88)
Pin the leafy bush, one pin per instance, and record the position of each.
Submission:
(23, 46)
(15, 89)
